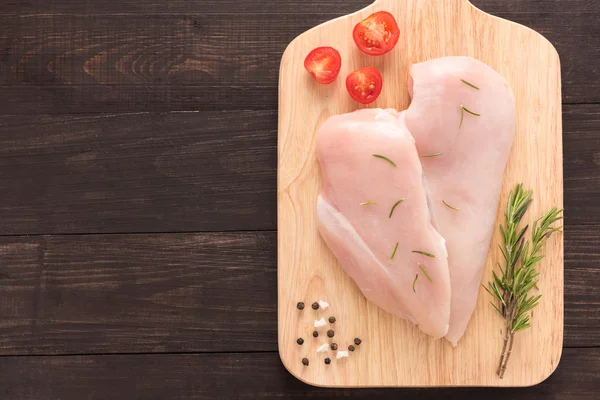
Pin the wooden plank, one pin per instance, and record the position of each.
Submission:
(582, 163)
(245, 376)
(142, 172)
(191, 171)
(187, 292)
(163, 62)
(126, 63)
(137, 293)
(331, 7)
(435, 28)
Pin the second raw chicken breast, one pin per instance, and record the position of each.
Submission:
(462, 117)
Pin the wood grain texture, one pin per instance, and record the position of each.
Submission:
(138, 293)
(397, 354)
(140, 172)
(244, 377)
(162, 57)
(282, 7)
(216, 292)
(204, 171)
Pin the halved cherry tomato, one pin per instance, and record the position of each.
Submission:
(364, 85)
(324, 64)
(377, 34)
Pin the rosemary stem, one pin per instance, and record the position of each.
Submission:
(506, 338)
(510, 346)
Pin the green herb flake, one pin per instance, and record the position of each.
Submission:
(368, 203)
(432, 155)
(396, 205)
(462, 114)
(422, 268)
(424, 253)
(394, 253)
(385, 158)
(469, 84)
(449, 206)
(414, 282)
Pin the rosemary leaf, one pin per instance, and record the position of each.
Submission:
(424, 253)
(470, 84)
(450, 207)
(368, 203)
(394, 253)
(385, 158)
(499, 312)
(470, 112)
(432, 155)
(425, 273)
(396, 205)
(462, 114)
(415, 281)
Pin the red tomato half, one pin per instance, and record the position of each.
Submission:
(377, 35)
(324, 64)
(364, 85)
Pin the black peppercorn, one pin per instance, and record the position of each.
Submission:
(332, 320)
(328, 361)
(351, 348)
(330, 333)
(300, 341)
(300, 305)
(315, 305)
(357, 341)
(315, 334)
(334, 346)
(305, 361)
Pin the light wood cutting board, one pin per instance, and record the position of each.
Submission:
(394, 352)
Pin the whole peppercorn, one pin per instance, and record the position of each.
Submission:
(328, 361)
(330, 333)
(315, 306)
(334, 346)
(331, 320)
(357, 341)
(300, 341)
(351, 348)
(305, 361)
(300, 305)
(315, 334)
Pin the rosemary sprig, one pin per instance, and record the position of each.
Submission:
(385, 158)
(470, 84)
(415, 281)
(462, 114)
(425, 273)
(394, 253)
(396, 205)
(432, 155)
(519, 276)
(368, 203)
(424, 253)
(449, 206)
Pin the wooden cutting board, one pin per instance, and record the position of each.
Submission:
(394, 352)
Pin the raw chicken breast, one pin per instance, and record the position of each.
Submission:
(363, 237)
(468, 175)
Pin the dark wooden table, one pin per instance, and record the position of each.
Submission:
(138, 211)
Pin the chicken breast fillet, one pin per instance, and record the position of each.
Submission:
(378, 244)
(468, 174)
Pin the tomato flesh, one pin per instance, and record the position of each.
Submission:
(377, 34)
(364, 85)
(324, 64)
